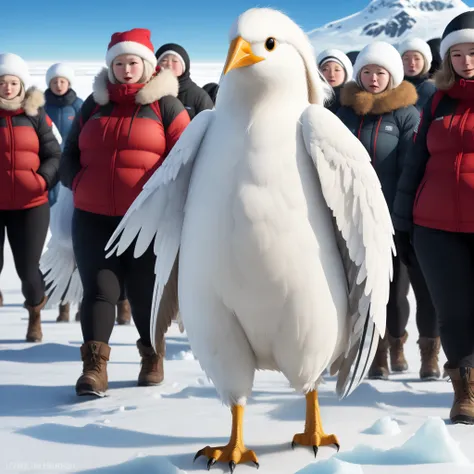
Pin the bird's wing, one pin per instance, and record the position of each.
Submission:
(58, 263)
(158, 213)
(364, 233)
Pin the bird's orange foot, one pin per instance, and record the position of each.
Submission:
(233, 454)
(315, 440)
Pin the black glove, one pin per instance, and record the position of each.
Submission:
(404, 246)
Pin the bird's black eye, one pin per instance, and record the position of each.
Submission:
(270, 44)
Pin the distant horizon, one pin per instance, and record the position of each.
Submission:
(82, 35)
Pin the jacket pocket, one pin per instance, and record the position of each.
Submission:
(40, 181)
(77, 179)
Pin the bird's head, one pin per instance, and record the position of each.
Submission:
(268, 49)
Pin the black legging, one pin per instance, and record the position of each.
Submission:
(398, 308)
(447, 261)
(26, 231)
(102, 278)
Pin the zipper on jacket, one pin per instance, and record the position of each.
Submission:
(360, 127)
(12, 155)
(131, 121)
(457, 167)
(376, 136)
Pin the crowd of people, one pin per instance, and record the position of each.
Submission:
(410, 106)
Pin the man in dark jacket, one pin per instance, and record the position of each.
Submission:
(194, 98)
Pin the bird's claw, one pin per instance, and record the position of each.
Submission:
(231, 454)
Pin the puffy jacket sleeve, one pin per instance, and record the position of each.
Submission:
(412, 173)
(407, 121)
(175, 119)
(49, 150)
(71, 157)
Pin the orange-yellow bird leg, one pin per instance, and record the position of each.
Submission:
(314, 434)
(235, 451)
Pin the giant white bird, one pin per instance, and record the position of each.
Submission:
(270, 216)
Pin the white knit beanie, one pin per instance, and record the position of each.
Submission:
(337, 56)
(13, 65)
(60, 70)
(420, 46)
(384, 55)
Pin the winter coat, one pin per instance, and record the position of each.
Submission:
(384, 123)
(436, 189)
(194, 98)
(424, 88)
(62, 109)
(121, 136)
(29, 154)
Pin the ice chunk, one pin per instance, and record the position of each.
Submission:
(184, 355)
(431, 444)
(384, 426)
(331, 466)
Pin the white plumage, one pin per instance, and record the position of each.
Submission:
(58, 263)
(284, 238)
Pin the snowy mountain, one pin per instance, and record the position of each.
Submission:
(388, 20)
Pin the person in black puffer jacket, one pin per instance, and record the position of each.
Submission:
(194, 98)
(380, 110)
(416, 56)
(336, 68)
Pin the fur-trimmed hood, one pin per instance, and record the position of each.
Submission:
(32, 102)
(363, 102)
(162, 84)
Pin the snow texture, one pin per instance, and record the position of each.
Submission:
(384, 426)
(331, 466)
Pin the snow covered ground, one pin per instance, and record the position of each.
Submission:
(396, 426)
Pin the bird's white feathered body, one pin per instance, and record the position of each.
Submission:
(260, 274)
(284, 237)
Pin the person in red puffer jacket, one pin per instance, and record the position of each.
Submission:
(435, 203)
(122, 134)
(29, 161)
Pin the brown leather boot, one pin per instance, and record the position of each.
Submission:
(379, 368)
(152, 371)
(398, 363)
(63, 313)
(78, 314)
(94, 380)
(124, 312)
(429, 351)
(462, 410)
(34, 333)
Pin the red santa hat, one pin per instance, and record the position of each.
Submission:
(136, 41)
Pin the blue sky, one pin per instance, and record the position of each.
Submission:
(80, 29)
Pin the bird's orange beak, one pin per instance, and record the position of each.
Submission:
(240, 55)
